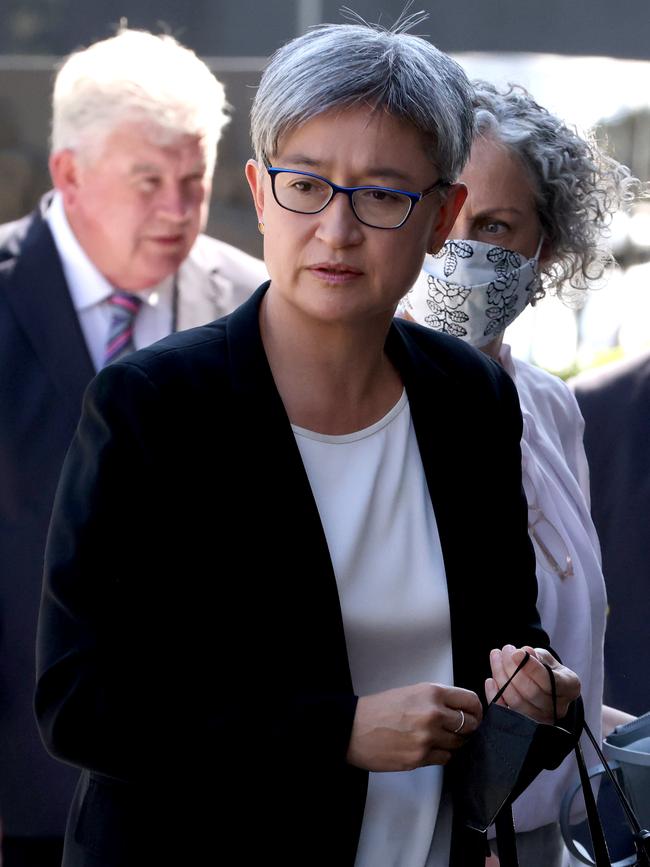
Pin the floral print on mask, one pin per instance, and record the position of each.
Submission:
(443, 301)
(472, 290)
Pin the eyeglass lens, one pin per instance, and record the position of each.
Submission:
(545, 536)
(308, 195)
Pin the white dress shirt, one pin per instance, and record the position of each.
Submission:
(382, 535)
(90, 291)
(572, 607)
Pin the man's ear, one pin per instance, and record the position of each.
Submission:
(255, 178)
(452, 201)
(65, 174)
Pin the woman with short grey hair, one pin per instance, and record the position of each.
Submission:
(340, 614)
(541, 198)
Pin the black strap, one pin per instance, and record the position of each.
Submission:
(553, 691)
(641, 835)
(510, 679)
(504, 825)
(601, 852)
(506, 838)
(629, 812)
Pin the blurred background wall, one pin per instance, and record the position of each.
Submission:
(587, 60)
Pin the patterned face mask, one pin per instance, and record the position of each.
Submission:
(472, 290)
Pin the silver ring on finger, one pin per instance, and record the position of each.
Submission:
(460, 725)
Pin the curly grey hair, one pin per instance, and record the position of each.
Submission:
(334, 66)
(577, 187)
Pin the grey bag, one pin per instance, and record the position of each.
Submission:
(626, 752)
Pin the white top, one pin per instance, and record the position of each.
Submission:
(382, 535)
(90, 290)
(572, 608)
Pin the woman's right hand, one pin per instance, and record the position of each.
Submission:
(405, 728)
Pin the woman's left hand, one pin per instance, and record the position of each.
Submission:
(530, 691)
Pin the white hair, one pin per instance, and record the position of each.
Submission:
(136, 76)
(339, 65)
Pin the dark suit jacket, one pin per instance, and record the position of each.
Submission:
(44, 369)
(615, 402)
(191, 653)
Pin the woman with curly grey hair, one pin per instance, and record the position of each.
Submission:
(540, 199)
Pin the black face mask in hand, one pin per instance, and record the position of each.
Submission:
(502, 757)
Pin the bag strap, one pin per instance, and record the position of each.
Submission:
(601, 852)
(505, 826)
(641, 835)
(627, 807)
(506, 837)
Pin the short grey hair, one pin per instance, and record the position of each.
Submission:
(335, 66)
(137, 76)
(577, 186)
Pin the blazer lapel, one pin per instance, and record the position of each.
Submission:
(431, 400)
(438, 415)
(282, 494)
(197, 296)
(39, 296)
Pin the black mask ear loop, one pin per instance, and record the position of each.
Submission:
(516, 672)
(553, 691)
(510, 679)
(504, 824)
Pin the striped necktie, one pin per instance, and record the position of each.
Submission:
(120, 336)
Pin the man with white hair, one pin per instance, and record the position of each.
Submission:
(112, 260)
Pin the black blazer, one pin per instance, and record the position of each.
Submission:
(615, 402)
(44, 369)
(191, 654)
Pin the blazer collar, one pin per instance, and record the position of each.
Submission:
(252, 374)
(39, 296)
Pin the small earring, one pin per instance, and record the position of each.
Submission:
(260, 226)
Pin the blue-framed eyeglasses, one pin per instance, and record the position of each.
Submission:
(377, 207)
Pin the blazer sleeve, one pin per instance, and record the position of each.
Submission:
(124, 686)
(493, 591)
(522, 617)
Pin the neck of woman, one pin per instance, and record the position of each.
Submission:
(493, 347)
(333, 378)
